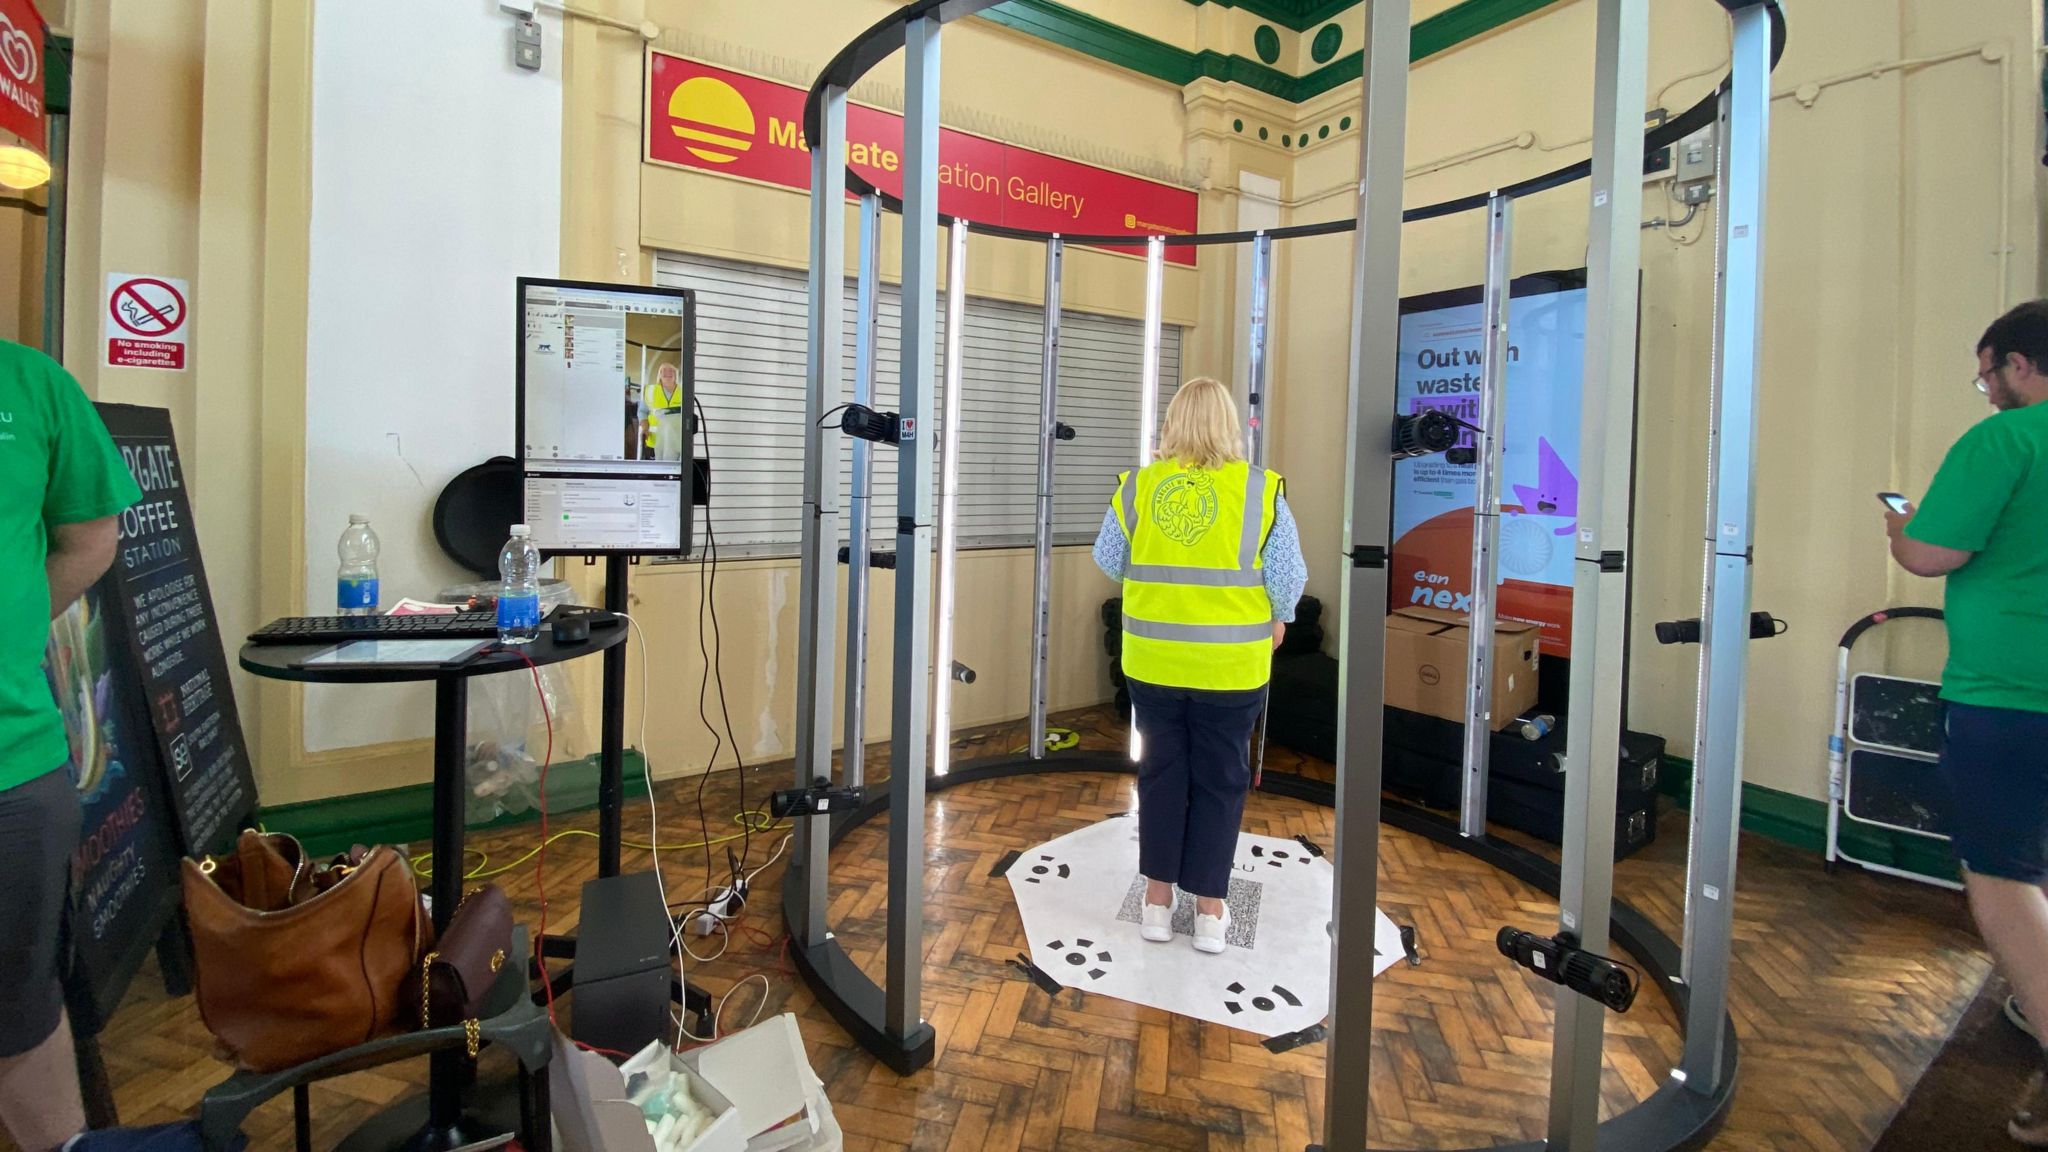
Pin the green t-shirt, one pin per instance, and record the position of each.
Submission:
(57, 466)
(1990, 497)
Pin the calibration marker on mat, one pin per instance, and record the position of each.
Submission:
(1081, 900)
(1003, 865)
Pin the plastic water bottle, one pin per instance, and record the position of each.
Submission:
(355, 585)
(1535, 725)
(519, 588)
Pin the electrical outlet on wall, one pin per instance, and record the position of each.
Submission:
(526, 44)
(1696, 156)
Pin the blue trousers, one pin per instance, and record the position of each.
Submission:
(1194, 772)
(1996, 763)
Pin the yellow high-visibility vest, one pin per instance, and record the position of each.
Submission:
(1195, 608)
(660, 403)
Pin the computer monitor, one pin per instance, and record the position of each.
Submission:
(607, 373)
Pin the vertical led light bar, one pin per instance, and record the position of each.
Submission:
(867, 299)
(1148, 384)
(1041, 544)
(949, 502)
(1148, 393)
(1493, 373)
(1255, 373)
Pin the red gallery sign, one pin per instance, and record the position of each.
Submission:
(21, 71)
(733, 124)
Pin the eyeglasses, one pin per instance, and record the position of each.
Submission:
(1981, 381)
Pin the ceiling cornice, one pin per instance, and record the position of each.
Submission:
(1114, 44)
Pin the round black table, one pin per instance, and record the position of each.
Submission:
(445, 1128)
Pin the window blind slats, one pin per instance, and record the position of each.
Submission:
(751, 325)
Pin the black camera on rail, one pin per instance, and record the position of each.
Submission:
(1762, 626)
(820, 799)
(1560, 960)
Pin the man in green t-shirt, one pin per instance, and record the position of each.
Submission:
(1984, 525)
(61, 486)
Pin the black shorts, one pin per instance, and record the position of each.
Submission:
(1996, 764)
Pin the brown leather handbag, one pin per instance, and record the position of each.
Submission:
(292, 962)
(457, 975)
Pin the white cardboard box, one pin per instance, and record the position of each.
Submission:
(592, 1113)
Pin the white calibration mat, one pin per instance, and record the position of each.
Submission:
(1080, 895)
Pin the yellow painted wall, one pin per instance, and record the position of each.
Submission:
(191, 159)
(168, 176)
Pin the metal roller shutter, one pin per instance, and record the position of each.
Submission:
(750, 380)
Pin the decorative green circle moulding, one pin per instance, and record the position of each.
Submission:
(1267, 43)
(1324, 47)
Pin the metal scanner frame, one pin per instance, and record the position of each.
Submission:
(1684, 1112)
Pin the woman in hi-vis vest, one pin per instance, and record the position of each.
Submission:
(1211, 568)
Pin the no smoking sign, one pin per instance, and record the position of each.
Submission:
(145, 321)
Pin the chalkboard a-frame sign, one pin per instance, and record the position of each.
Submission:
(165, 614)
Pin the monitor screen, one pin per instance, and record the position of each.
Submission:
(606, 375)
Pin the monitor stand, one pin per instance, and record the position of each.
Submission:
(610, 800)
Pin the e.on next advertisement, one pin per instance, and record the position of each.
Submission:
(1441, 338)
(716, 120)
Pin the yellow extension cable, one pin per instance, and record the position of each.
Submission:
(423, 862)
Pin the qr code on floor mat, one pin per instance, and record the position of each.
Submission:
(1243, 903)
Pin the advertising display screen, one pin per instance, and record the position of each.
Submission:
(1440, 353)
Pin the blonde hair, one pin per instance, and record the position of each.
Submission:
(1201, 425)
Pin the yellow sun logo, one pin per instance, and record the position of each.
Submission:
(712, 118)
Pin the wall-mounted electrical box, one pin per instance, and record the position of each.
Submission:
(526, 44)
(1696, 157)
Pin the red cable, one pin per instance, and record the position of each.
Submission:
(540, 860)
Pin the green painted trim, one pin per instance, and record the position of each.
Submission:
(406, 815)
(56, 75)
(1474, 18)
(1296, 15)
(1091, 36)
(1802, 822)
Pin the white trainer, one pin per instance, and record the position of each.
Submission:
(1209, 932)
(1157, 925)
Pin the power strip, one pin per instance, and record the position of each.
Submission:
(727, 904)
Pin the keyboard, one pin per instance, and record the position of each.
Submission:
(334, 629)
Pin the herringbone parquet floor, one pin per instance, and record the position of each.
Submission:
(1844, 988)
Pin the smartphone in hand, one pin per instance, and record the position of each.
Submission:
(1896, 503)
